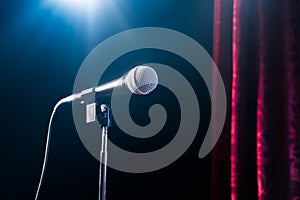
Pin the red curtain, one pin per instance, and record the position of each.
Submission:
(257, 50)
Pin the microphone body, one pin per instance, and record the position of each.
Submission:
(140, 80)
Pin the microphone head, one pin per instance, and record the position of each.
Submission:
(141, 80)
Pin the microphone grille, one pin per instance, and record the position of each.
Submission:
(141, 80)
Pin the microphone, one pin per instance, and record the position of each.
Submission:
(140, 80)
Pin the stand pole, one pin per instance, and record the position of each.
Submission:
(105, 123)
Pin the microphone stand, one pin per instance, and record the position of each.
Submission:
(105, 123)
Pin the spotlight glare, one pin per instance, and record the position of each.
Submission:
(74, 5)
(88, 14)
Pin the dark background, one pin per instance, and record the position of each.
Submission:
(41, 52)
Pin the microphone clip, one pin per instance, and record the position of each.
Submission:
(104, 115)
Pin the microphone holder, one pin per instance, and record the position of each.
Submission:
(104, 120)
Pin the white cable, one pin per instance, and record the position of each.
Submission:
(59, 103)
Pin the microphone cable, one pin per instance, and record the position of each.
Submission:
(47, 148)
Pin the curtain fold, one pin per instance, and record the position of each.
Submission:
(258, 155)
(222, 57)
(272, 133)
(292, 60)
